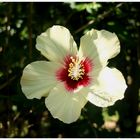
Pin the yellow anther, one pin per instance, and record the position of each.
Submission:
(76, 69)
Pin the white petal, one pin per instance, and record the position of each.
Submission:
(56, 43)
(99, 46)
(38, 79)
(108, 44)
(64, 105)
(109, 87)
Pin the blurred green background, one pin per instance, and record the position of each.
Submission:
(21, 23)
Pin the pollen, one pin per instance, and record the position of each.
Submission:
(76, 69)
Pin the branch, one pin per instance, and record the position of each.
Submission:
(7, 83)
(99, 18)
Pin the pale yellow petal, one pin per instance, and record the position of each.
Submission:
(38, 79)
(56, 43)
(65, 106)
(108, 88)
(99, 46)
(108, 44)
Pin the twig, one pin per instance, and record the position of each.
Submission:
(7, 83)
(99, 18)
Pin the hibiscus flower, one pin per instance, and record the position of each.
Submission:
(73, 77)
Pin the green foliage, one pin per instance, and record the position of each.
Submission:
(21, 23)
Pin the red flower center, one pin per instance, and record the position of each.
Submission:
(75, 72)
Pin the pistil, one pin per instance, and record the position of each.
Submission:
(76, 69)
